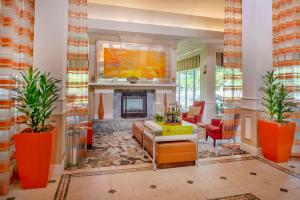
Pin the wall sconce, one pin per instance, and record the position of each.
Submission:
(204, 70)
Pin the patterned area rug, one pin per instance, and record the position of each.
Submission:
(120, 149)
(247, 196)
(206, 150)
(114, 149)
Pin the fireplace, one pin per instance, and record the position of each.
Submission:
(134, 104)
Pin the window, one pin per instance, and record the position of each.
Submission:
(182, 89)
(188, 87)
(219, 89)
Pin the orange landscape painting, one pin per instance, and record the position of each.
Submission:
(124, 63)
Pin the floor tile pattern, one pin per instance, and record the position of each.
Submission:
(206, 150)
(271, 181)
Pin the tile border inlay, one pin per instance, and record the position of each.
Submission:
(63, 187)
(247, 196)
(279, 167)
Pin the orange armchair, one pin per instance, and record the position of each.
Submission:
(197, 118)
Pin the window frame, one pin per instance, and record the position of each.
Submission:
(178, 86)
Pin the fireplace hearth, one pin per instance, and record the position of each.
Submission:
(134, 104)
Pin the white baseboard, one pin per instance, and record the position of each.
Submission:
(253, 150)
(57, 169)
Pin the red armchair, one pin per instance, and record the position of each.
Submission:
(197, 118)
(214, 130)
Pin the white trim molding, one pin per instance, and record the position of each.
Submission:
(251, 98)
(164, 92)
(103, 91)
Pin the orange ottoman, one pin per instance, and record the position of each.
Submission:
(172, 152)
(137, 131)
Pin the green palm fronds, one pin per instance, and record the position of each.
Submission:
(276, 99)
(35, 100)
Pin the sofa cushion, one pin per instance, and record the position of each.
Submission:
(175, 147)
(193, 111)
(212, 128)
(189, 119)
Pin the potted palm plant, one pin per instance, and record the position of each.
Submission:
(34, 144)
(276, 132)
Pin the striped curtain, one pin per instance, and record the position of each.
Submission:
(188, 63)
(16, 43)
(232, 66)
(286, 49)
(77, 66)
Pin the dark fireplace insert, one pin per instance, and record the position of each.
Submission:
(134, 104)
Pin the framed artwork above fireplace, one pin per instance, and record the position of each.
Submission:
(116, 61)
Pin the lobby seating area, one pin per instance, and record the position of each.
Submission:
(149, 100)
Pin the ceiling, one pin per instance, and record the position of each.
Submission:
(204, 8)
(119, 36)
(186, 44)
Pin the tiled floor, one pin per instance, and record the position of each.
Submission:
(33, 194)
(293, 165)
(209, 180)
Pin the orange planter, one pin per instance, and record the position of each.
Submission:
(33, 154)
(276, 140)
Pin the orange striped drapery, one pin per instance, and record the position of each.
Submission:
(77, 66)
(16, 43)
(286, 43)
(286, 49)
(232, 65)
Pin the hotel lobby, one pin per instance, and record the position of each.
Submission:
(137, 99)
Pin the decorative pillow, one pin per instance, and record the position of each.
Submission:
(193, 111)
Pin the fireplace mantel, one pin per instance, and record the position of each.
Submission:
(125, 85)
(109, 89)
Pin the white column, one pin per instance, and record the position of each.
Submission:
(50, 55)
(208, 89)
(51, 37)
(257, 58)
